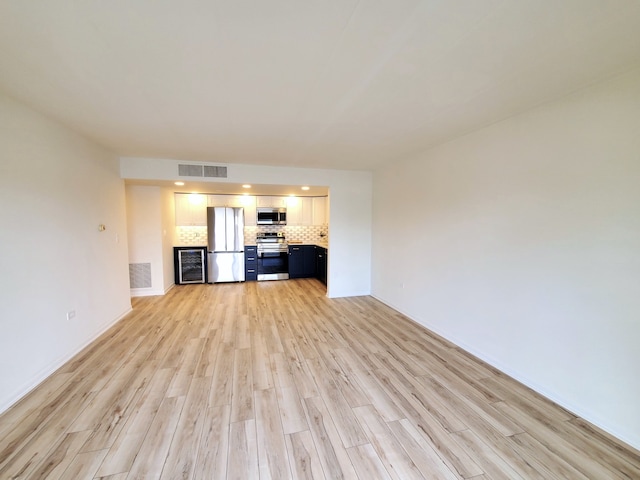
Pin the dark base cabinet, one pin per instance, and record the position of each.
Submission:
(250, 263)
(321, 264)
(190, 264)
(308, 261)
(302, 261)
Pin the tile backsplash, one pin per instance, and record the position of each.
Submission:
(192, 236)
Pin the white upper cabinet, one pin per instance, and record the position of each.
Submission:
(319, 210)
(267, 201)
(248, 202)
(223, 201)
(294, 211)
(191, 209)
(306, 211)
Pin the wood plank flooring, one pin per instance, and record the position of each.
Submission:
(272, 380)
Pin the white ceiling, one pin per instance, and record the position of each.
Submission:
(344, 84)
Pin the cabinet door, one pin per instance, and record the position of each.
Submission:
(319, 210)
(294, 212)
(191, 209)
(235, 201)
(308, 261)
(263, 201)
(224, 200)
(221, 201)
(295, 262)
(321, 264)
(248, 202)
(299, 211)
(306, 211)
(267, 201)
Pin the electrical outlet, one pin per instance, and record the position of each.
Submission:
(71, 314)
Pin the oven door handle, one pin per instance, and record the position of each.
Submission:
(272, 253)
(269, 254)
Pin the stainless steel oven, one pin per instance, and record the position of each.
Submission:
(273, 256)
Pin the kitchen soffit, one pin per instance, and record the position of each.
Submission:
(333, 84)
(233, 188)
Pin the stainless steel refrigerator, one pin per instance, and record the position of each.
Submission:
(225, 232)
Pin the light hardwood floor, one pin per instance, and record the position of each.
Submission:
(272, 380)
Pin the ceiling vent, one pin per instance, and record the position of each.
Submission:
(190, 170)
(217, 172)
(210, 171)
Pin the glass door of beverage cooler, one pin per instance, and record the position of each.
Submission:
(191, 266)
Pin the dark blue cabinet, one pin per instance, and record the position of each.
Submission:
(321, 264)
(250, 262)
(302, 261)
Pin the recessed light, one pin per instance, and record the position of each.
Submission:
(180, 184)
(305, 188)
(246, 186)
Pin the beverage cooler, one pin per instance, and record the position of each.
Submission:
(190, 264)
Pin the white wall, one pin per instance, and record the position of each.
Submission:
(55, 189)
(521, 243)
(167, 214)
(350, 200)
(147, 240)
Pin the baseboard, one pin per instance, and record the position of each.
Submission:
(517, 376)
(145, 292)
(347, 293)
(57, 364)
(149, 292)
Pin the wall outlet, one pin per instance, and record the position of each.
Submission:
(71, 314)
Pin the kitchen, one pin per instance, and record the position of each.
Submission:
(274, 237)
(150, 198)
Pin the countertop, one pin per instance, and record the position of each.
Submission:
(318, 244)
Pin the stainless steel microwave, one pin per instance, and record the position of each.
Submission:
(272, 216)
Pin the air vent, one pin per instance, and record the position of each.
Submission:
(140, 275)
(190, 170)
(211, 171)
(218, 172)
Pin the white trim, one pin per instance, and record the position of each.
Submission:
(575, 410)
(146, 292)
(51, 369)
